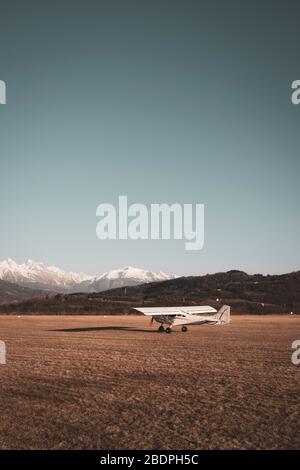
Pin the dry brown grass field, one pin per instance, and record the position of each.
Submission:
(97, 382)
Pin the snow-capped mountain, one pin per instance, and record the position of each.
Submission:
(39, 276)
(128, 276)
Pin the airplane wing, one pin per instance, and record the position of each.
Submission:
(192, 310)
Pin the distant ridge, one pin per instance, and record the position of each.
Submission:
(10, 292)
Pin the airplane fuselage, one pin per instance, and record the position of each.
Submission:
(184, 319)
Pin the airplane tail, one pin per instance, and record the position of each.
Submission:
(223, 315)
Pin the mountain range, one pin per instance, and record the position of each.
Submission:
(245, 293)
(38, 276)
(33, 287)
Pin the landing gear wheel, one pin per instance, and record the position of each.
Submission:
(184, 329)
(161, 329)
(168, 330)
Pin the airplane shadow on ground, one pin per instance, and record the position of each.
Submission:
(105, 328)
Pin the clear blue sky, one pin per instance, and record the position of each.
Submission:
(162, 101)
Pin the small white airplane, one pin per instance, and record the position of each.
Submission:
(173, 316)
